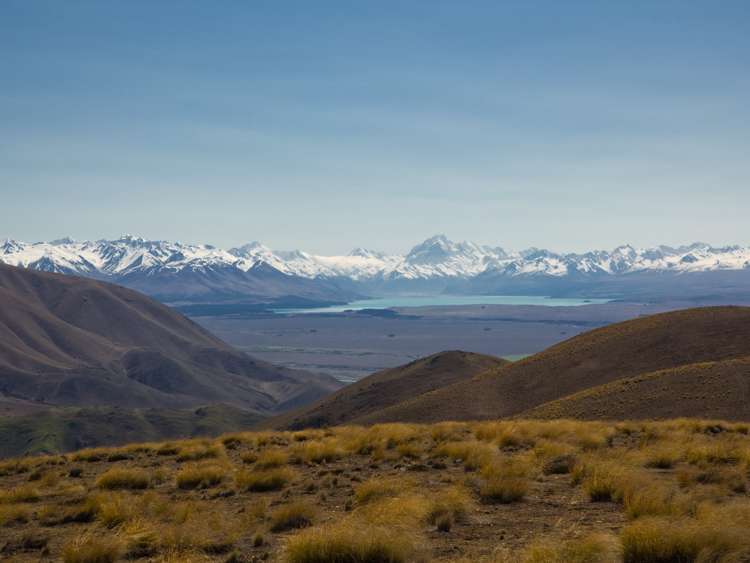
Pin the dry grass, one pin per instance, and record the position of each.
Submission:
(201, 476)
(22, 493)
(270, 459)
(291, 516)
(375, 489)
(195, 452)
(122, 478)
(346, 544)
(264, 480)
(643, 492)
(90, 548)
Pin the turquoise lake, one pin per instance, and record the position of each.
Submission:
(445, 300)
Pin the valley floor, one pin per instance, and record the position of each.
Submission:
(515, 491)
(350, 346)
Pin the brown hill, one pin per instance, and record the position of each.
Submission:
(385, 388)
(717, 390)
(612, 353)
(73, 341)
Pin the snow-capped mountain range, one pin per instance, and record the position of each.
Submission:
(435, 257)
(174, 270)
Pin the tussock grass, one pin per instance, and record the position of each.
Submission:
(664, 540)
(505, 482)
(349, 544)
(113, 509)
(265, 480)
(14, 514)
(22, 493)
(594, 548)
(378, 488)
(271, 458)
(93, 548)
(473, 454)
(447, 507)
(200, 476)
(197, 452)
(314, 451)
(122, 478)
(291, 516)
(92, 454)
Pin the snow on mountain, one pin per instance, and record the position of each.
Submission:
(436, 257)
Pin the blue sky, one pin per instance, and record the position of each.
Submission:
(328, 125)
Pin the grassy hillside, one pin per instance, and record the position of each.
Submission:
(710, 389)
(388, 387)
(618, 351)
(501, 492)
(63, 430)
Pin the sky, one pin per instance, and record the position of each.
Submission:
(331, 125)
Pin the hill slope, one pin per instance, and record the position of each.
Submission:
(386, 388)
(615, 352)
(72, 341)
(719, 390)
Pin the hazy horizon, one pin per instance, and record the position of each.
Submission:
(568, 126)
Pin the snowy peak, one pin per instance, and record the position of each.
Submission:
(436, 257)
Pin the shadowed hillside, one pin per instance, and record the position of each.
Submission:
(386, 388)
(72, 341)
(594, 358)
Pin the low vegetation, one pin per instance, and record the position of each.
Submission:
(500, 492)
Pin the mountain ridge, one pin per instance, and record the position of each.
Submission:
(173, 271)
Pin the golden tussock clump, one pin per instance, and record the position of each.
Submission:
(294, 515)
(201, 476)
(121, 478)
(346, 543)
(263, 480)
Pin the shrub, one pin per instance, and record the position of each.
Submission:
(120, 478)
(293, 515)
(93, 549)
(265, 480)
(349, 544)
(200, 476)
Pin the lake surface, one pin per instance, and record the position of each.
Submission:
(444, 300)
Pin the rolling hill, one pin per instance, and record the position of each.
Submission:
(611, 354)
(70, 341)
(385, 388)
(716, 390)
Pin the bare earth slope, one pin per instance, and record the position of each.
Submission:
(386, 388)
(73, 341)
(615, 352)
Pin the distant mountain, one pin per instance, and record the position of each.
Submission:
(173, 271)
(693, 362)
(72, 341)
